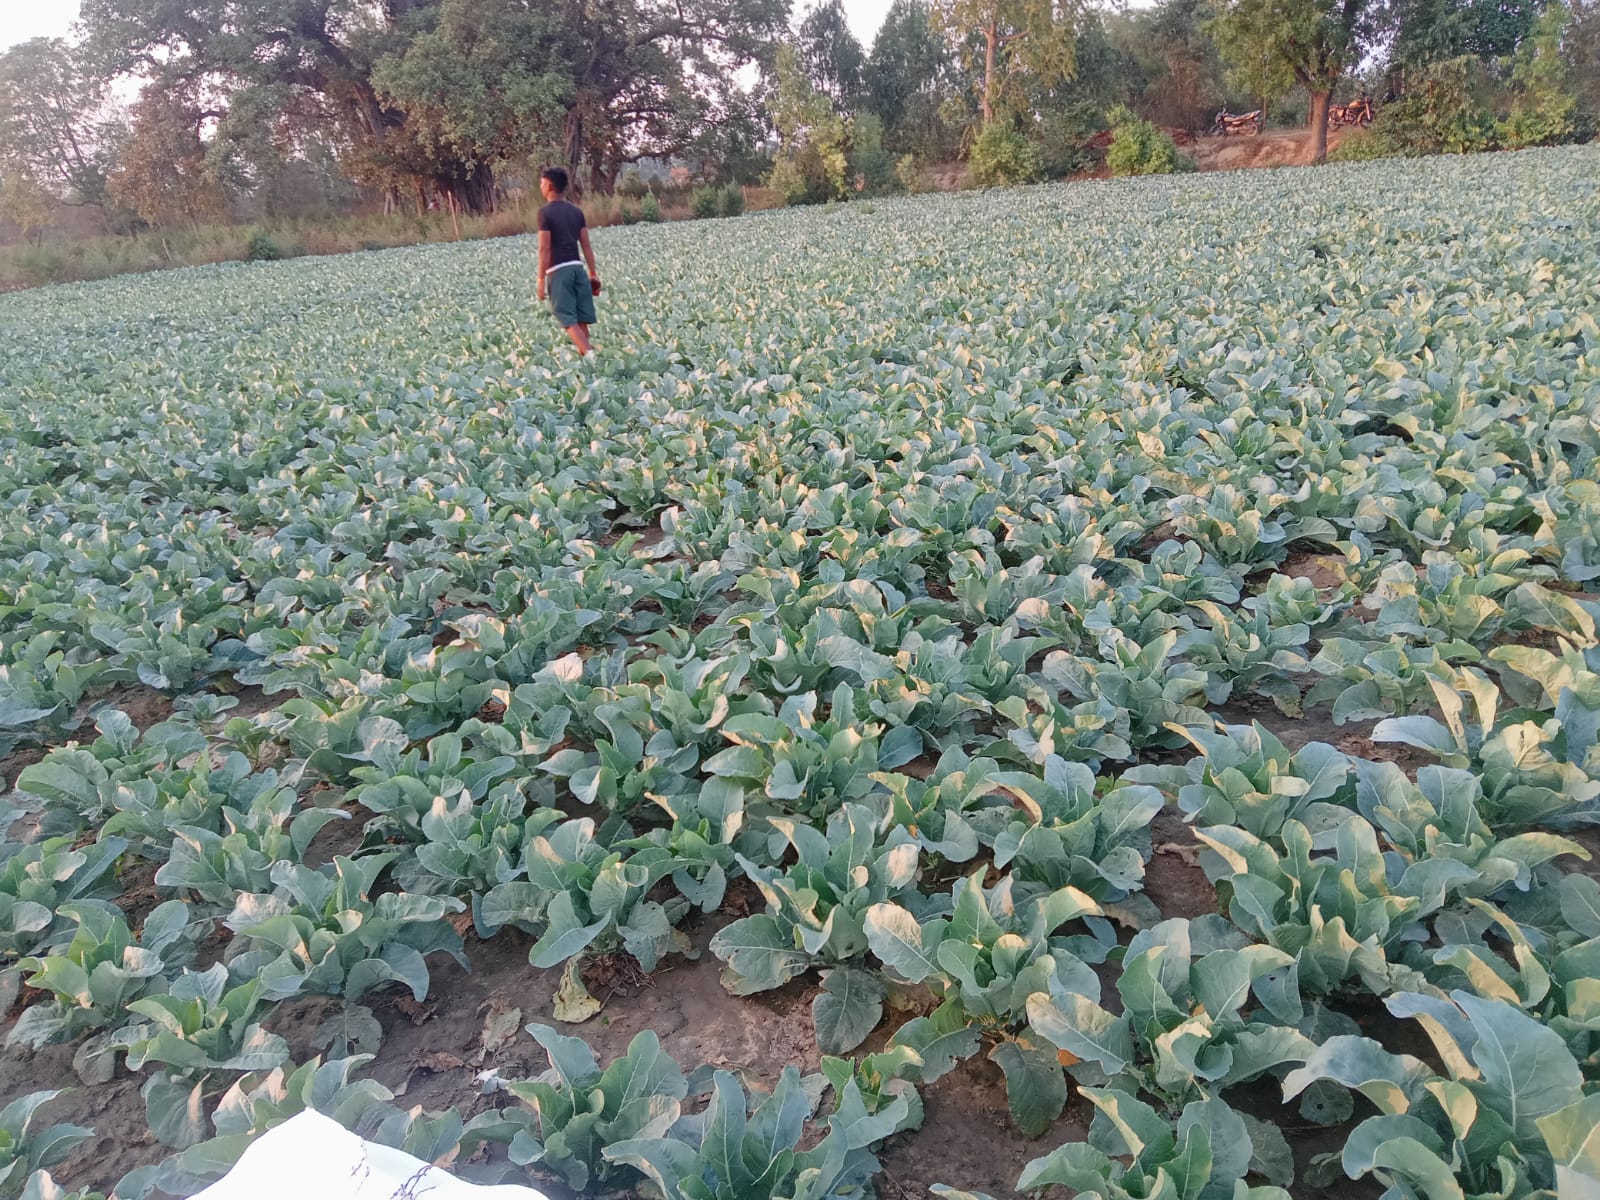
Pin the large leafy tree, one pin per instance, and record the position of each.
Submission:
(833, 57)
(1427, 31)
(164, 172)
(57, 130)
(813, 135)
(297, 63)
(591, 84)
(1271, 43)
(24, 204)
(1581, 47)
(1175, 68)
(436, 93)
(488, 81)
(907, 75)
(652, 77)
(1017, 43)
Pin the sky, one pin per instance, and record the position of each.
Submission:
(24, 19)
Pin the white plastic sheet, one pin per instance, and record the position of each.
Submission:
(312, 1157)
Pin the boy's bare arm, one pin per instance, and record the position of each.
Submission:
(588, 252)
(544, 258)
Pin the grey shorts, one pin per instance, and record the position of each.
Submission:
(571, 295)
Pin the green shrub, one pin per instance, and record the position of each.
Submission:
(1445, 111)
(650, 208)
(1064, 135)
(870, 164)
(1140, 148)
(1544, 106)
(1362, 145)
(1450, 107)
(1003, 156)
(261, 248)
(908, 172)
(812, 172)
(788, 181)
(732, 200)
(705, 202)
(633, 185)
(1455, 117)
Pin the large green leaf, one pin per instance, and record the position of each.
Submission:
(1390, 1081)
(1082, 1028)
(1035, 1087)
(1572, 1135)
(899, 943)
(1528, 1072)
(847, 1009)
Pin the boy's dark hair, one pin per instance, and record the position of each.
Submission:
(557, 177)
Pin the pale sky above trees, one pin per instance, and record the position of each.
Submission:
(24, 19)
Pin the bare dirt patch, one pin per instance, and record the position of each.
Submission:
(253, 701)
(1317, 725)
(432, 1054)
(967, 1139)
(920, 768)
(338, 837)
(18, 761)
(139, 895)
(143, 705)
(1173, 878)
(1325, 571)
(1274, 148)
(114, 1110)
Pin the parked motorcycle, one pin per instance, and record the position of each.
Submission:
(1357, 112)
(1230, 124)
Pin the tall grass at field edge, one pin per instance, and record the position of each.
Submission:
(26, 265)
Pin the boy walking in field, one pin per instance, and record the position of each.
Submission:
(563, 233)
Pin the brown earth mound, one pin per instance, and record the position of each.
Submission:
(1275, 148)
(1278, 148)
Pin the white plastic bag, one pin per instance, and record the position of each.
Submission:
(312, 1157)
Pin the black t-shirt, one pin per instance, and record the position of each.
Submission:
(563, 221)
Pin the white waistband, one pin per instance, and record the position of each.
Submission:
(559, 266)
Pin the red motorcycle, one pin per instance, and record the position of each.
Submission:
(1229, 124)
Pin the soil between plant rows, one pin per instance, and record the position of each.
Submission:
(434, 1055)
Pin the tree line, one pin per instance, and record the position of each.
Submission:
(438, 101)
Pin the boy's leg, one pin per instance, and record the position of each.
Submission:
(583, 303)
(567, 299)
(580, 337)
(564, 304)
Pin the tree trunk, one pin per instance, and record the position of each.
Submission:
(1319, 125)
(991, 39)
(478, 191)
(472, 193)
(572, 138)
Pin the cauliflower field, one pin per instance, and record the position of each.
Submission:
(1089, 688)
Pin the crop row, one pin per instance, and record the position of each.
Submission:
(911, 624)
